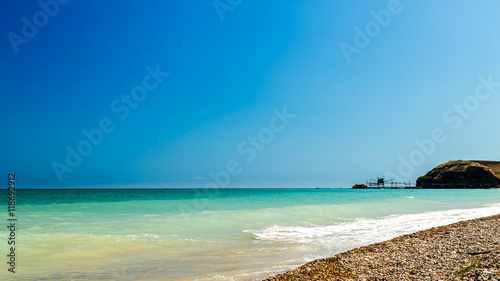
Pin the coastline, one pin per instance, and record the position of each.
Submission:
(466, 250)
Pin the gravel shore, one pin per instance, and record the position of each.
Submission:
(467, 250)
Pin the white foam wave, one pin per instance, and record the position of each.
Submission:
(366, 231)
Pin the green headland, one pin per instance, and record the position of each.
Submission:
(463, 174)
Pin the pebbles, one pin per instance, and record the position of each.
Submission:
(467, 250)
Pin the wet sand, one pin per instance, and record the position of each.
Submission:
(467, 250)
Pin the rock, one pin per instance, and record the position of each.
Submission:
(463, 174)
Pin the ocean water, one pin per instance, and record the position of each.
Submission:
(226, 234)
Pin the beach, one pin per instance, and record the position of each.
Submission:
(466, 250)
(228, 234)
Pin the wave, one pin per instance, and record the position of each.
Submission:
(364, 231)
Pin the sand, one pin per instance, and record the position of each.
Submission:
(467, 250)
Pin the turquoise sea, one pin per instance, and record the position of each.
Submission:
(225, 234)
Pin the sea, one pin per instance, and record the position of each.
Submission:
(214, 234)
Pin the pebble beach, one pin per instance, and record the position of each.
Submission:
(129, 234)
(467, 250)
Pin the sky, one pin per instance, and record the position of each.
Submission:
(238, 93)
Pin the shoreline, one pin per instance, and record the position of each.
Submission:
(466, 250)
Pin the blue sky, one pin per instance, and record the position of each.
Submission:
(231, 66)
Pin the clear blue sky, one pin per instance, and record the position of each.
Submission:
(65, 66)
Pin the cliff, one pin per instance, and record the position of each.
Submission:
(463, 174)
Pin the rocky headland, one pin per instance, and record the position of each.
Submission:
(463, 174)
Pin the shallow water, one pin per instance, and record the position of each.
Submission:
(227, 234)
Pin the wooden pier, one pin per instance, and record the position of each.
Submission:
(382, 183)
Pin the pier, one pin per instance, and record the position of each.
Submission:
(381, 183)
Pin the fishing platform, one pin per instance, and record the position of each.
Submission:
(381, 183)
